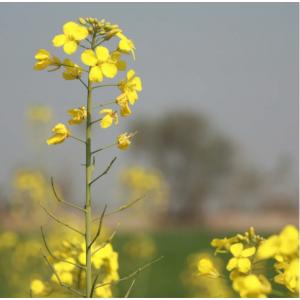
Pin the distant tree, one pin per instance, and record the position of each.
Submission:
(191, 154)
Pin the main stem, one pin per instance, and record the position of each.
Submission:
(88, 202)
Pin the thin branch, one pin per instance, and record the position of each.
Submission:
(105, 172)
(125, 206)
(131, 275)
(77, 139)
(100, 149)
(59, 280)
(82, 82)
(55, 257)
(95, 121)
(99, 228)
(63, 201)
(130, 288)
(59, 221)
(106, 242)
(82, 46)
(105, 85)
(104, 104)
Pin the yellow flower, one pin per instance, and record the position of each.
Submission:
(37, 287)
(65, 277)
(123, 103)
(101, 63)
(61, 132)
(72, 70)
(73, 33)
(206, 268)
(223, 245)
(109, 118)
(125, 45)
(252, 286)
(78, 115)
(103, 291)
(124, 140)
(290, 276)
(286, 243)
(240, 260)
(44, 60)
(130, 86)
(40, 113)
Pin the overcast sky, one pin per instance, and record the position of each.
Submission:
(237, 63)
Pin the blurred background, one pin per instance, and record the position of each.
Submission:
(216, 149)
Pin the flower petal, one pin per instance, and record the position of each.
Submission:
(236, 249)
(106, 121)
(88, 57)
(70, 47)
(59, 40)
(109, 70)
(232, 264)
(248, 252)
(102, 53)
(244, 265)
(95, 74)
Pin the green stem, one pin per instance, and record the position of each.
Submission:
(88, 204)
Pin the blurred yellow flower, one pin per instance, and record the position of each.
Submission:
(78, 115)
(40, 113)
(73, 33)
(103, 291)
(223, 245)
(37, 287)
(61, 132)
(109, 118)
(125, 45)
(100, 62)
(206, 268)
(123, 103)
(252, 286)
(131, 86)
(124, 140)
(44, 60)
(240, 260)
(72, 70)
(8, 239)
(286, 243)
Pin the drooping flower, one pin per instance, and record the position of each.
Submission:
(37, 287)
(109, 118)
(131, 86)
(45, 59)
(73, 33)
(78, 115)
(206, 268)
(72, 70)
(241, 259)
(124, 140)
(61, 132)
(123, 103)
(125, 45)
(101, 63)
(252, 286)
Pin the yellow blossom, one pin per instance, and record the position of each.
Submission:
(73, 33)
(72, 70)
(131, 86)
(45, 59)
(109, 118)
(240, 260)
(61, 132)
(223, 245)
(290, 276)
(40, 113)
(125, 45)
(123, 103)
(101, 63)
(103, 292)
(78, 115)
(37, 287)
(206, 268)
(124, 140)
(252, 286)
(286, 243)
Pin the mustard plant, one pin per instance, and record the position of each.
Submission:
(98, 63)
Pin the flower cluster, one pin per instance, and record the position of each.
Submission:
(68, 269)
(99, 63)
(248, 252)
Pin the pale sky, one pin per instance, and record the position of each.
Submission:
(237, 63)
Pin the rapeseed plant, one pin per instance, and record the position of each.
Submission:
(83, 266)
(249, 253)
